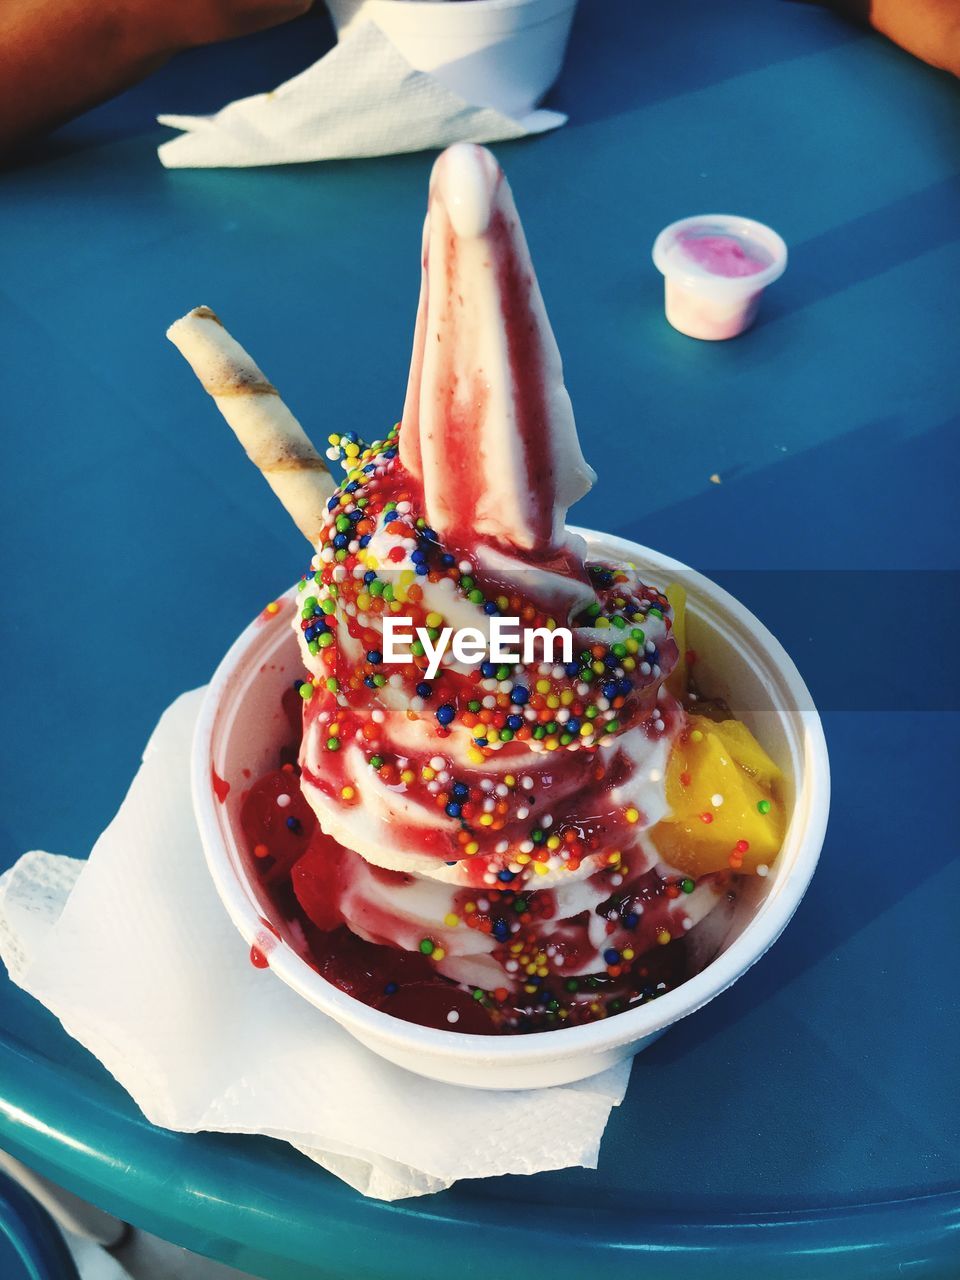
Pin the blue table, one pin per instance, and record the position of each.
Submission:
(31, 1246)
(805, 1125)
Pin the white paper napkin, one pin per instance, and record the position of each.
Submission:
(136, 956)
(362, 99)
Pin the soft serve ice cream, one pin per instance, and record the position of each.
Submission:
(495, 845)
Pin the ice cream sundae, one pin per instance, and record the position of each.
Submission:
(488, 841)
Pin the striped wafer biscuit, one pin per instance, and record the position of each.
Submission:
(274, 440)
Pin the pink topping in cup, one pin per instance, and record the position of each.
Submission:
(722, 254)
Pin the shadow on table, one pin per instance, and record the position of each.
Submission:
(835, 493)
(196, 82)
(845, 478)
(859, 827)
(617, 64)
(847, 491)
(884, 239)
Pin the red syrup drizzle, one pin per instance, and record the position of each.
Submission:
(458, 393)
(266, 940)
(301, 870)
(579, 792)
(301, 875)
(525, 353)
(221, 788)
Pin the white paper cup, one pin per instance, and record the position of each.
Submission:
(492, 53)
(240, 727)
(715, 307)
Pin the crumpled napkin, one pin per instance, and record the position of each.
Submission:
(136, 956)
(362, 99)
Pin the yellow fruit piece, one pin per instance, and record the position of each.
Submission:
(746, 751)
(716, 808)
(677, 679)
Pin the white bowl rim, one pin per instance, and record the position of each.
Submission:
(560, 1043)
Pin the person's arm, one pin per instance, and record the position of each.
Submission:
(929, 29)
(59, 57)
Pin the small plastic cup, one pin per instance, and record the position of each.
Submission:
(715, 267)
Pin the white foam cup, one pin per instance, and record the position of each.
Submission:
(241, 726)
(492, 53)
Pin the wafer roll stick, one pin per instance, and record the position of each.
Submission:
(274, 440)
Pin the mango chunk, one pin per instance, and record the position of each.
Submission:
(720, 816)
(746, 751)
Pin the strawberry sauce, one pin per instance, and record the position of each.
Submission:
(305, 873)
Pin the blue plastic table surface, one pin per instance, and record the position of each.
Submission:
(807, 1123)
(31, 1245)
